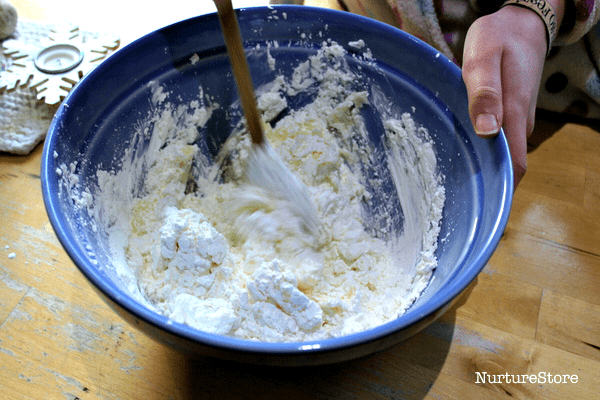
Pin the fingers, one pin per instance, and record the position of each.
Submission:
(502, 65)
(484, 79)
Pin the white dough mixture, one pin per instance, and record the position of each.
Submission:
(195, 242)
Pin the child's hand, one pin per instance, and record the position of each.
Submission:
(503, 59)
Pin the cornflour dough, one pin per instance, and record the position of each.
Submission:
(199, 244)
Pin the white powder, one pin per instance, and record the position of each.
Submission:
(231, 259)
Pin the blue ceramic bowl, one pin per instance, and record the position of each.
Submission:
(92, 124)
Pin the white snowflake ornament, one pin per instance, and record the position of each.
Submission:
(53, 64)
(39, 65)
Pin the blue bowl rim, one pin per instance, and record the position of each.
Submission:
(445, 295)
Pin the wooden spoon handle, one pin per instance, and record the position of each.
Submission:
(239, 65)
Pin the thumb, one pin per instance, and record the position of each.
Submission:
(481, 72)
(485, 110)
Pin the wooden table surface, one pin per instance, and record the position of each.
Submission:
(534, 310)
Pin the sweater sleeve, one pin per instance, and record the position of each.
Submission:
(420, 18)
(580, 17)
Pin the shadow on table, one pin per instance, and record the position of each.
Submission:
(405, 371)
(547, 123)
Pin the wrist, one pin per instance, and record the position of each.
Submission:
(551, 13)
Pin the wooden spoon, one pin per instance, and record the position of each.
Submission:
(265, 169)
(241, 72)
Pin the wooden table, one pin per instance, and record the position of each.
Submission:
(535, 308)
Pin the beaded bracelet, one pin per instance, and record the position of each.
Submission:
(546, 13)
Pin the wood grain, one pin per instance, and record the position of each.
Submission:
(503, 302)
(570, 324)
(534, 309)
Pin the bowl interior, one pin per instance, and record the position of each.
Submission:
(94, 125)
